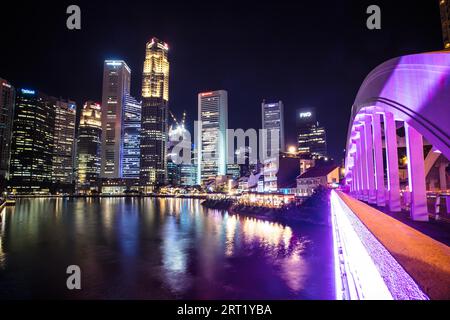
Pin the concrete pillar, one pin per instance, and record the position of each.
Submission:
(442, 176)
(363, 161)
(378, 160)
(416, 174)
(369, 157)
(357, 176)
(393, 184)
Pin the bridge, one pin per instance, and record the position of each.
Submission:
(403, 104)
(412, 92)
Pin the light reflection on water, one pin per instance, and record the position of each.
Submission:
(158, 249)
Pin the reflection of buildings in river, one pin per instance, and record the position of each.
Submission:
(295, 270)
(287, 251)
(271, 234)
(174, 250)
(230, 229)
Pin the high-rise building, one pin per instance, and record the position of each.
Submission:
(273, 120)
(116, 87)
(212, 138)
(273, 142)
(312, 137)
(32, 143)
(7, 99)
(445, 20)
(154, 127)
(187, 174)
(64, 143)
(131, 127)
(89, 140)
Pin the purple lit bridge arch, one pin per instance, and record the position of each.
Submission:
(411, 91)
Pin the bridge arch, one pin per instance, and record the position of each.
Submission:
(411, 91)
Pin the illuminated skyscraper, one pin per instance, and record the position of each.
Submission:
(116, 86)
(64, 143)
(273, 119)
(154, 128)
(445, 20)
(212, 139)
(7, 99)
(32, 142)
(312, 137)
(131, 126)
(89, 148)
(273, 144)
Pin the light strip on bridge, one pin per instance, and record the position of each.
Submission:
(364, 268)
(356, 275)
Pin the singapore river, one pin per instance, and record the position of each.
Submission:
(148, 248)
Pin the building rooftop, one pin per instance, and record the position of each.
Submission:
(318, 171)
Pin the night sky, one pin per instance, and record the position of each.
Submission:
(305, 53)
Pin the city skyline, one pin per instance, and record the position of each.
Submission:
(303, 69)
(225, 152)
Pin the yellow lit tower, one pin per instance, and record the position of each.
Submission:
(154, 128)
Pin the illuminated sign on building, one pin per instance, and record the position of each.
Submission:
(114, 63)
(204, 94)
(28, 91)
(305, 114)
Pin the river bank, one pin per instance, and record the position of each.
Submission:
(314, 210)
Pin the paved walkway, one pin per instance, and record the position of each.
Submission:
(424, 258)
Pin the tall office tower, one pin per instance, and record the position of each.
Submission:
(312, 137)
(212, 137)
(7, 98)
(131, 127)
(273, 144)
(89, 148)
(116, 86)
(32, 143)
(273, 119)
(445, 20)
(155, 99)
(64, 143)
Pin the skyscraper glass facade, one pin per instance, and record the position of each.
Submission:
(89, 148)
(273, 119)
(154, 127)
(7, 100)
(32, 143)
(64, 142)
(312, 137)
(116, 86)
(131, 126)
(212, 139)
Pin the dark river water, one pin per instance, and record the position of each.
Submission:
(131, 248)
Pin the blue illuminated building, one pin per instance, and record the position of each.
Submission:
(131, 126)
